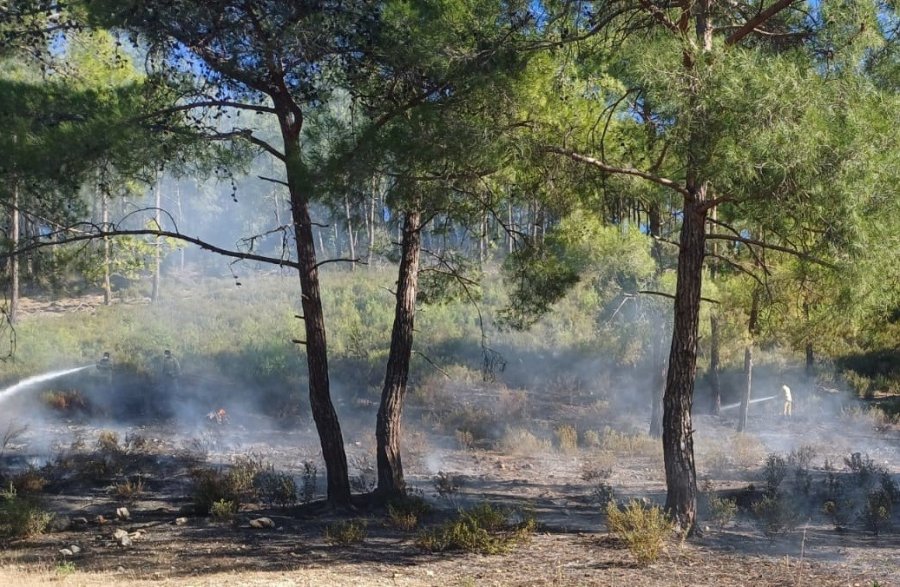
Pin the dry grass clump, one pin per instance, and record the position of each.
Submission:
(599, 465)
(64, 401)
(108, 442)
(566, 439)
(645, 529)
(347, 532)
(747, 451)
(713, 459)
(519, 441)
(513, 403)
(129, 490)
(29, 481)
(633, 445)
(483, 529)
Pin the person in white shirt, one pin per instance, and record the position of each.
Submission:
(788, 401)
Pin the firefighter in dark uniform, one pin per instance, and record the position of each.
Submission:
(105, 376)
(171, 370)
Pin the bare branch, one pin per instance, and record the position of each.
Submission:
(670, 296)
(764, 245)
(100, 233)
(273, 180)
(340, 260)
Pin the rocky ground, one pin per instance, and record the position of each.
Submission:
(160, 541)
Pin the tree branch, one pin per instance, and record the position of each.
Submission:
(665, 182)
(100, 233)
(764, 245)
(670, 296)
(757, 20)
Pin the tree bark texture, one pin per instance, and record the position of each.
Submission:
(657, 386)
(157, 256)
(107, 288)
(388, 425)
(713, 374)
(13, 313)
(350, 242)
(748, 363)
(678, 443)
(323, 412)
(657, 353)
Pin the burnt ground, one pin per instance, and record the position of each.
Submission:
(571, 546)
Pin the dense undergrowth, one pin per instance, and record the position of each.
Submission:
(239, 340)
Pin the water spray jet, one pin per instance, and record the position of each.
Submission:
(12, 390)
(753, 401)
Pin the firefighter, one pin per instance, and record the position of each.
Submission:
(104, 366)
(788, 401)
(104, 390)
(171, 371)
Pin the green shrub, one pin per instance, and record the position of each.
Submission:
(406, 513)
(776, 514)
(774, 472)
(483, 529)
(223, 509)
(347, 532)
(238, 484)
(722, 510)
(21, 517)
(877, 511)
(644, 529)
(275, 488)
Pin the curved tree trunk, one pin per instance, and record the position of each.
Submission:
(323, 412)
(387, 429)
(678, 442)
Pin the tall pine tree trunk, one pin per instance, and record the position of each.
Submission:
(157, 250)
(810, 356)
(13, 313)
(350, 240)
(657, 343)
(370, 224)
(713, 374)
(104, 211)
(748, 362)
(327, 425)
(678, 441)
(387, 429)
